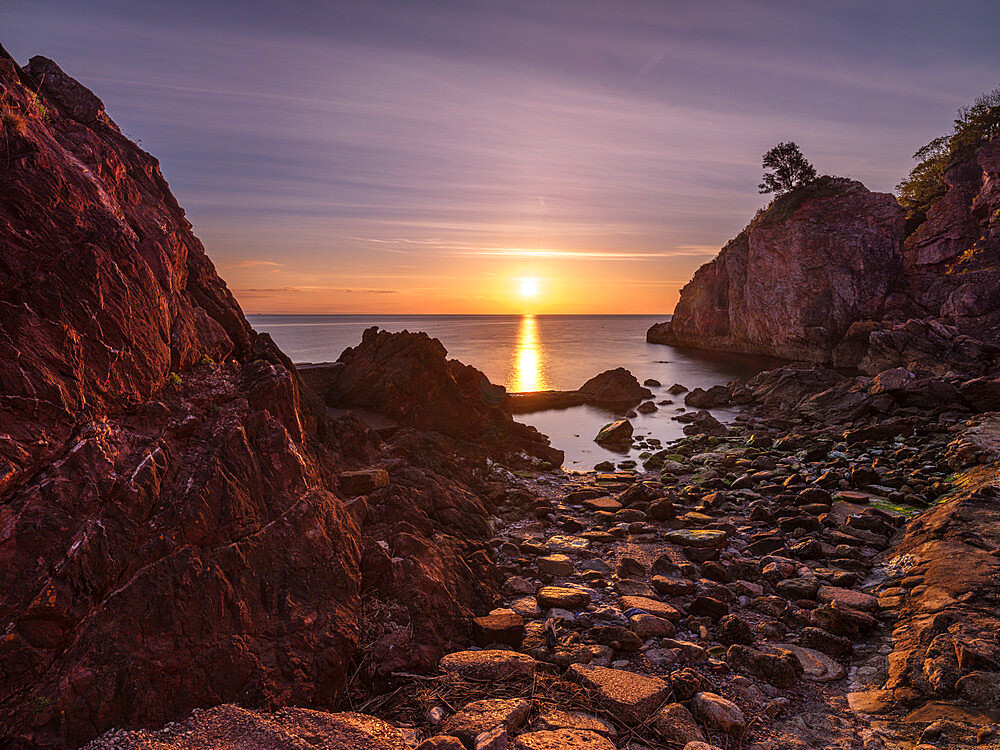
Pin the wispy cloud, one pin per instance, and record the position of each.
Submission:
(358, 142)
(301, 289)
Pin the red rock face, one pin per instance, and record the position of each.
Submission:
(171, 530)
(833, 280)
(797, 277)
(952, 263)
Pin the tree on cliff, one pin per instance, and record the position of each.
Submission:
(790, 169)
(974, 126)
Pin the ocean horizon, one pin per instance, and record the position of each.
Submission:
(540, 352)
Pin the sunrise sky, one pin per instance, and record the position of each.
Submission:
(429, 157)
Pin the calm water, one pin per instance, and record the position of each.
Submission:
(530, 353)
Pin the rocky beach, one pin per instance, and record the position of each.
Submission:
(204, 546)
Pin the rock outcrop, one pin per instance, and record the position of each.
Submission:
(408, 378)
(173, 533)
(792, 282)
(612, 388)
(830, 273)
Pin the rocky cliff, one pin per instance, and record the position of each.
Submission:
(829, 273)
(181, 523)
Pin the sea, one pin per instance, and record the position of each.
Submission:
(541, 352)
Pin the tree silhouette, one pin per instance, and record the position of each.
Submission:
(790, 169)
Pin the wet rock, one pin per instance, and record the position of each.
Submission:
(614, 387)
(717, 713)
(616, 433)
(497, 666)
(478, 717)
(661, 509)
(633, 696)
(717, 395)
(705, 424)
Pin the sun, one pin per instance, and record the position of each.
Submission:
(529, 287)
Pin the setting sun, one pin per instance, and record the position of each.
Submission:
(529, 287)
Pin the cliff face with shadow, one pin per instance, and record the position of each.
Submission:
(177, 528)
(828, 273)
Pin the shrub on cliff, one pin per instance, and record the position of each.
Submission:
(974, 125)
(790, 169)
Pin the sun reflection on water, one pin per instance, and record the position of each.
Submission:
(527, 365)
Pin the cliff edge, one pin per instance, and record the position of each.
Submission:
(181, 523)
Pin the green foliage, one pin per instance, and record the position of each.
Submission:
(785, 205)
(43, 112)
(175, 379)
(206, 360)
(42, 702)
(12, 120)
(790, 169)
(974, 125)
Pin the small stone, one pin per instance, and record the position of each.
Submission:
(562, 597)
(718, 713)
(652, 606)
(493, 739)
(676, 724)
(650, 626)
(475, 719)
(732, 630)
(630, 695)
(489, 665)
(847, 598)
(441, 742)
(563, 739)
(500, 626)
(516, 586)
(697, 538)
(608, 504)
(781, 670)
(618, 432)
(556, 565)
(363, 481)
(556, 719)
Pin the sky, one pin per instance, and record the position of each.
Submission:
(502, 156)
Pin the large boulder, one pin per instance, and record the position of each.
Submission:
(408, 377)
(615, 386)
(791, 283)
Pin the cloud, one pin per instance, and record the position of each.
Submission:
(304, 289)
